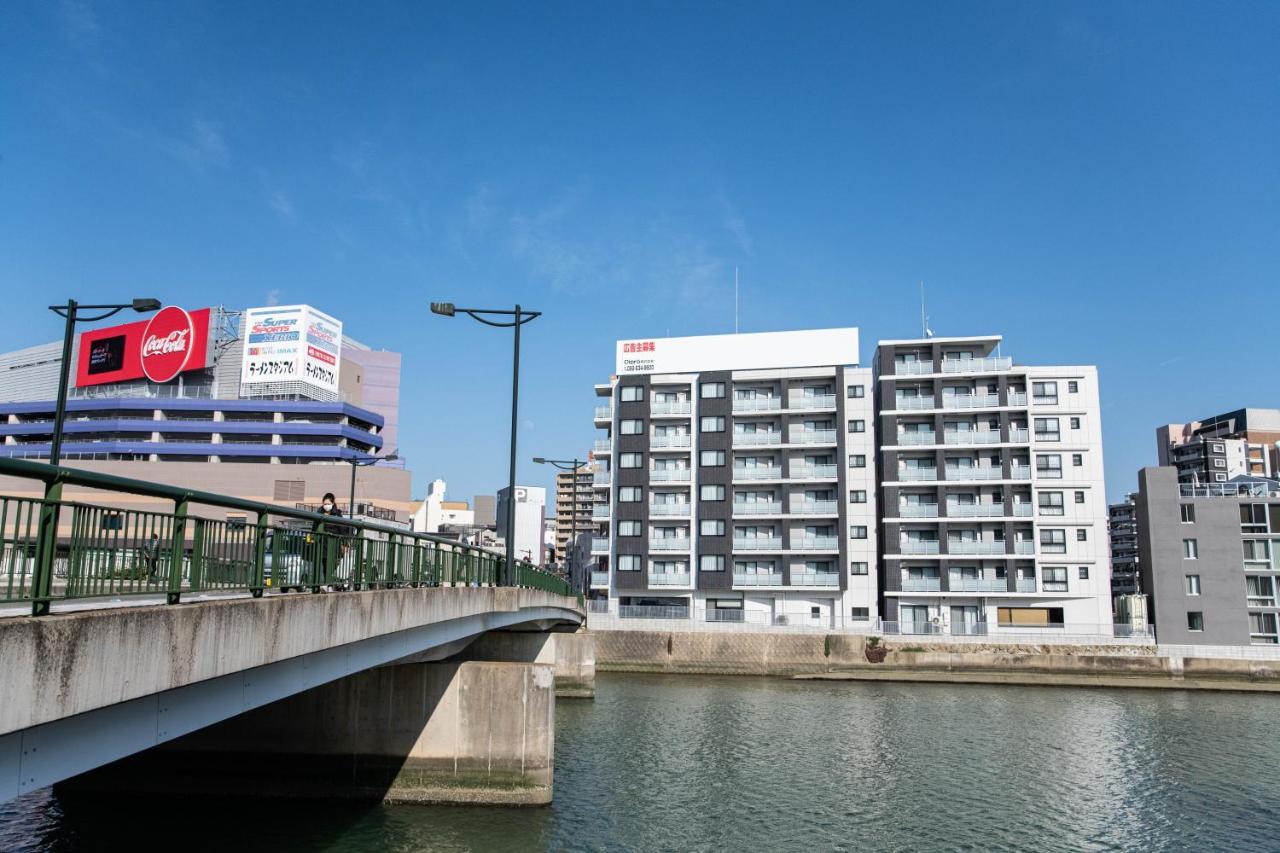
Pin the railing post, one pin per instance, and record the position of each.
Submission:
(357, 562)
(46, 549)
(319, 554)
(174, 594)
(393, 559)
(437, 565)
(197, 555)
(259, 582)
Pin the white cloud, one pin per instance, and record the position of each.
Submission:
(273, 297)
(282, 205)
(201, 147)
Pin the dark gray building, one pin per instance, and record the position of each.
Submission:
(1122, 527)
(1209, 558)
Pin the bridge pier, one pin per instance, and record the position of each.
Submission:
(572, 655)
(480, 732)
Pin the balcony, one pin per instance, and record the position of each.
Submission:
(670, 475)
(977, 365)
(813, 436)
(1024, 548)
(974, 473)
(916, 438)
(807, 401)
(971, 401)
(680, 510)
(758, 404)
(921, 585)
(814, 472)
(757, 543)
(917, 475)
(1026, 585)
(600, 511)
(815, 579)
(604, 413)
(959, 584)
(670, 579)
(757, 508)
(756, 473)
(677, 407)
(599, 545)
(601, 478)
(603, 445)
(969, 547)
(758, 579)
(914, 404)
(814, 508)
(1017, 398)
(976, 436)
(918, 511)
(975, 510)
(920, 546)
(1022, 510)
(912, 368)
(756, 439)
(1020, 472)
(669, 543)
(1020, 436)
(660, 442)
(600, 579)
(806, 542)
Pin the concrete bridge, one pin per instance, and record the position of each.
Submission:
(426, 679)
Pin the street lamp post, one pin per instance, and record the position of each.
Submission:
(518, 318)
(569, 465)
(71, 311)
(357, 463)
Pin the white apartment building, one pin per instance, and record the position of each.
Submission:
(737, 481)
(530, 521)
(994, 515)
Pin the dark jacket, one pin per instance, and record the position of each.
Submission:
(330, 527)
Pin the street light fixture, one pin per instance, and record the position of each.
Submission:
(358, 463)
(518, 318)
(71, 311)
(569, 465)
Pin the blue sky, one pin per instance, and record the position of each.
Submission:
(1098, 182)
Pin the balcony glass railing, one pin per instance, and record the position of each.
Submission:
(973, 436)
(959, 584)
(756, 439)
(1017, 398)
(604, 413)
(915, 546)
(603, 445)
(814, 507)
(976, 365)
(807, 542)
(600, 579)
(757, 508)
(1019, 436)
(757, 473)
(971, 401)
(1026, 585)
(1022, 510)
(599, 545)
(669, 579)
(974, 473)
(912, 368)
(760, 579)
(967, 547)
(915, 403)
(975, 510)
(917, 475)
(600, 478)
(1024, 548)
(670, 475)
(658, 442)
(814, 472)
(600, 511)
(921, 585)
(678, 407)
(804, 401)
(1020, 472)
(815, 579)
(757, 404)
(677, 509)
(918, 511)
(672, 543)
(813, 436)
(916, 438)
(757, 543)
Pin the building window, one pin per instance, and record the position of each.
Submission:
(628, 562)
(1253, 518)
(1079, 497)
(1051, 503)
(858, 531)
(1055, 579)
(1075, 423)
(1082, 535)
(631, 427)
(1044, 393)
(1190, 549)
(857, 496)
(632, 393)
(1073, 387)
(711, 563)
(1195, 620)
(711, 458)
(711, 493)
(711, 527)
(858, 460)
(629, 528)
(1188, 513)
(859, 614)
(711, 390)
(858, 568)
(857, 426)
(1049, 466)
(1077, 460)
(1047, 429)
(1084, 573)
(629, 494)
(1053, 541)
(713, 423)
(630, 460)
(1193, 584)
(857, 391)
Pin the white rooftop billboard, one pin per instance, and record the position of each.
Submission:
(291, 343)
(753, 351)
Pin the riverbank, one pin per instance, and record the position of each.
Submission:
(842, 657)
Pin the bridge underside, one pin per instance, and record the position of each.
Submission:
(86, 689)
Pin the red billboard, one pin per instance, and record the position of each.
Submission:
(159, 348)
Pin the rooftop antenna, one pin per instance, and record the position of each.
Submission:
(924, 319)
(735, 299)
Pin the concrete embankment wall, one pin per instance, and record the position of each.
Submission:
(842, 657)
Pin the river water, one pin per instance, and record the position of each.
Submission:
(694, 763)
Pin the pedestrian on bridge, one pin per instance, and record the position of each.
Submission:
(330, 550)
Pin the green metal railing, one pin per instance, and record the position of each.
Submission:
(53, 549)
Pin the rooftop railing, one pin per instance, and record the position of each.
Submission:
(1257, 488)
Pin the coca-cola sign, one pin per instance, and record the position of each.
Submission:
(166, 344)
(170, 342)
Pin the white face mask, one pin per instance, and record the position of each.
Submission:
(328, 505)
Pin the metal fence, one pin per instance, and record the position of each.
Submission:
(53, 549)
